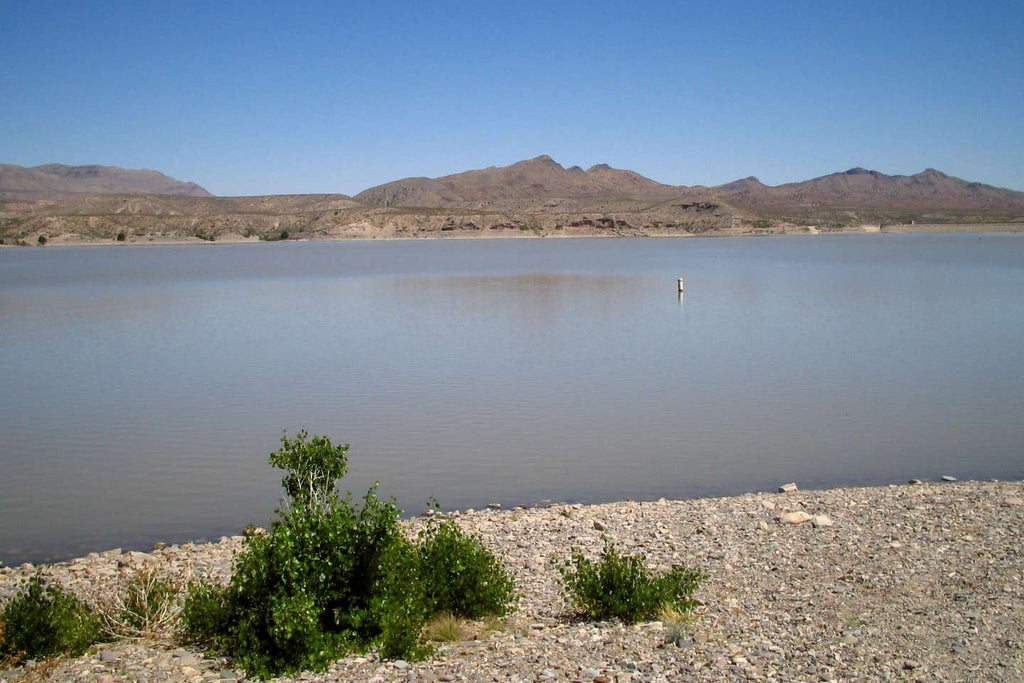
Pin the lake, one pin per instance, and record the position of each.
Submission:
(144, 387)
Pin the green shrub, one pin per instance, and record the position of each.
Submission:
(333, 576)
(121, 236)
(329, 578)
(275, 236)
(399, 608)
(205, 615)
(44, 620)
(460, 575)
(623, 587)
(42, 239)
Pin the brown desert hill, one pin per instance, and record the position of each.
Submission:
(861, 189)
(540, 178)
(172, 217)
(535, 197)
(52, 181)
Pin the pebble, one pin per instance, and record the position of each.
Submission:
(788, 488)
(946, 477)
(798, 517)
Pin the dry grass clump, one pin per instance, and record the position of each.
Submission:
(145, 606)
(444, 628)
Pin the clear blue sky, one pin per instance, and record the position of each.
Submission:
(260, 98)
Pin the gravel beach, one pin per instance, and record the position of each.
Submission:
(909, 582)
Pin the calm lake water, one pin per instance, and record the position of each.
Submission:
(144, 387)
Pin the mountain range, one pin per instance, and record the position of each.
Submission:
(52, 181)
(536, 196)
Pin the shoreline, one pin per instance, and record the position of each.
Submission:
(895, 582)
(76, 240)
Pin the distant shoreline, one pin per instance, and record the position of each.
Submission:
(75, 240)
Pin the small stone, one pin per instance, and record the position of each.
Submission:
(946, 477)
(767, 505)
(788, 488)
(228, 675)
(914, 482)
(190, 671)
(600, 679)
(185, 658)
(428, 513)
(911, 664)
(105, 678)
(494, 506)
(109, 655)
(400, 664)
(159, 545)
(819, 521)
(763, 525)
(798, 517)
(598, 526)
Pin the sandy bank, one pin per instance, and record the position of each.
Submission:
(909, 582)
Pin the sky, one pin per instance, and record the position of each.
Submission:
(250, 98)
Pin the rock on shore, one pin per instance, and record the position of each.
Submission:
(914, 582)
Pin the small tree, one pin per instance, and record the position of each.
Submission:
(42, 240)
(314, 465)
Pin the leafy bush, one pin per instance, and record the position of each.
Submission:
(145, 606)
(623, 587)
(205, 615)
(43, 620)
(42, 239)
(121, 236)
(332, 576)
(460, 575)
